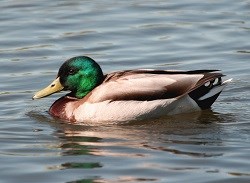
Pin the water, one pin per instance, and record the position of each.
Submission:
(37, 36)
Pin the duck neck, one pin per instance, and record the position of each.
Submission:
(87, 85)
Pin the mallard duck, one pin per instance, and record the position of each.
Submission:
(129, 95)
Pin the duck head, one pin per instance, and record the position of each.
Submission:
(80, 75)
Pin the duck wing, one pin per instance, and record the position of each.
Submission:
(147, 85)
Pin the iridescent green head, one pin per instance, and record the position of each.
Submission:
(79, 74)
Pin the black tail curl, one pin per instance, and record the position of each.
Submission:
(203, 90)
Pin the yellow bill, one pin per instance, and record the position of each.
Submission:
(54, 87)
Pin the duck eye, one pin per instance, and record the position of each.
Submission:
(72, 71)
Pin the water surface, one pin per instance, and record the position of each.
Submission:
(37, 36)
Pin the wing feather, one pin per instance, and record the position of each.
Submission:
(149, 85)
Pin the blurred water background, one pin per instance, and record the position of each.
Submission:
(37, 36)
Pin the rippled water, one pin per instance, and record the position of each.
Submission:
(37, 36)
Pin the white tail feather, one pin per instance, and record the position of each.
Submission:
(215, 90)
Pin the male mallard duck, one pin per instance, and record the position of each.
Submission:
(129, 95)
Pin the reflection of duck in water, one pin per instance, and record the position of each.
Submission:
(129, 95)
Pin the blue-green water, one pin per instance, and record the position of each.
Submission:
(37, 36)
